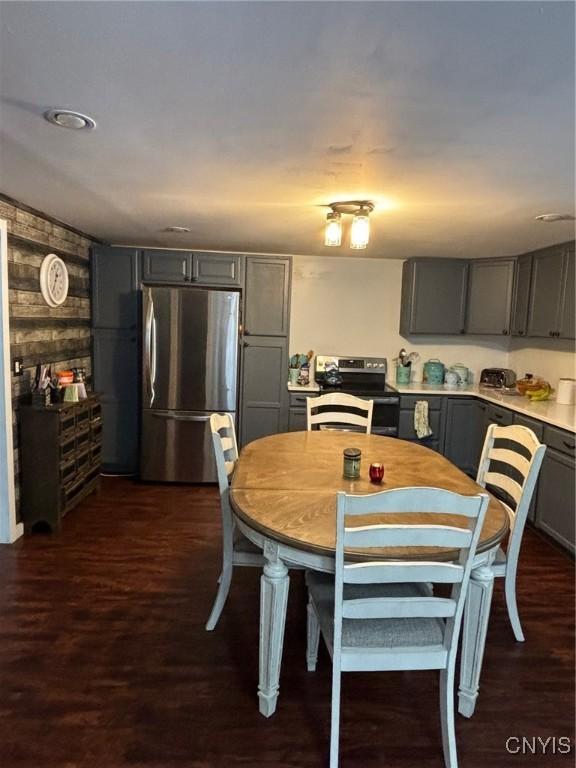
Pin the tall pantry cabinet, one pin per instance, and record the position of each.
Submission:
(264, 395)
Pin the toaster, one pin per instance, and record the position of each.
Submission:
(502, 378)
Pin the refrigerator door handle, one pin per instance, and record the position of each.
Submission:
(150, 348)
(179, 416)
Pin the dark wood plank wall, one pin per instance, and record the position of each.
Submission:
(39, 334)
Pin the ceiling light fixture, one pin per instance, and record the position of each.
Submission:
(360, 231)
(551, 217)
(333, 235)
(67, 118)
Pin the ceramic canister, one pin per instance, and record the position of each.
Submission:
(462, 372)
(433, 372)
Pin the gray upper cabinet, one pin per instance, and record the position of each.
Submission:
(267, 302)
(433, 296)
(161, 266)
(115, 275)
(551, 311)
(490, 287)
(566, 327)
(217, 269)
(521, 297)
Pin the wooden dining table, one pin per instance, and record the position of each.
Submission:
(283, 495)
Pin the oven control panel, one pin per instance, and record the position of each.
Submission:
(326, 363)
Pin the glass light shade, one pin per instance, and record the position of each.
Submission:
(360, 233)
(333, 234)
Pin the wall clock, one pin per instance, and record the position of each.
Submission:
(54, 280)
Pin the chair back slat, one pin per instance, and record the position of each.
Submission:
(505, 483)
(392, 608)
(518, 434)
(513, 459)
(225, 448)
(398, 571)
(413, 500)
(359, 413)
(385, 535)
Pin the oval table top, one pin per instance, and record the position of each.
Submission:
(285, 485)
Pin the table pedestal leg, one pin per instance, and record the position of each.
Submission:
(274, 585)
(476, 615)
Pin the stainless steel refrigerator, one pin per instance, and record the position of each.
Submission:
(189, 371)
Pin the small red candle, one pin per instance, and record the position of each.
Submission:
(376, 472)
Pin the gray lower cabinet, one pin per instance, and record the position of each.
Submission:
(490, 289)
(115, 375)
(406, 429)
(264, 392)
(297, 419)
(556, 499)
(433, 296)
(521, 297)
(463, 433)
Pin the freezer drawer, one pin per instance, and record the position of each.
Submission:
(177, 447)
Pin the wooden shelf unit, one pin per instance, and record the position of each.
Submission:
(60, 456)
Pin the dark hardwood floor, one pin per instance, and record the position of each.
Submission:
(104, 660)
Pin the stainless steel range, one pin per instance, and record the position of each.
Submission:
(363, 377)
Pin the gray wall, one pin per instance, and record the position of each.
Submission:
(61, 336)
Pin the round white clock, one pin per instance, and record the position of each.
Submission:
(54, 280)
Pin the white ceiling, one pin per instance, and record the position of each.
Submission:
(239, 119)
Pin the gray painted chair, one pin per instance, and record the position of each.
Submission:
(522, 464)
(236, 549)
(359, 413)
(382, 614)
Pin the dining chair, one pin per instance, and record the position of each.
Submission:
(236, 548)
(380, 614)
(348, 410)
(512, 470)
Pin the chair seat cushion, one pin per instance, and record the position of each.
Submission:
(373, 633)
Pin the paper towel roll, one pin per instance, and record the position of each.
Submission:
(566, 392)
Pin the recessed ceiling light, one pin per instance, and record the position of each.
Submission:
(550, 217)
(177, 229)
(67, 118)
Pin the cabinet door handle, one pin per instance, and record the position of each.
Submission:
(504, 332)
(569, 445)
(550, 333)
(245, 344)
(520, 333)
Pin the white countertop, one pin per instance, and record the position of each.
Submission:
(549, 411)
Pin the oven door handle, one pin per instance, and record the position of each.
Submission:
(394, 400)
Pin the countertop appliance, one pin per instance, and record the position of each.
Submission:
(189, 371)
(500, 378)
(363, 377)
